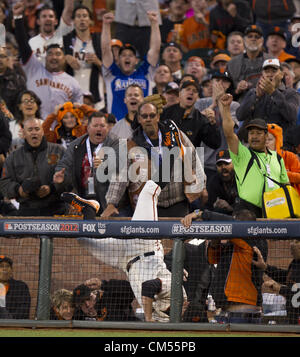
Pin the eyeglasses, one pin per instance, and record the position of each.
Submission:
(257, 37)
(28, 101)
(151, 115)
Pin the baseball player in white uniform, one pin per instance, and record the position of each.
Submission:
(141, 259)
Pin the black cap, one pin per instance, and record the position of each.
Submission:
(172, 87)
(277, 31)
(223, 155)
(253, 28)
(296, 16)
(221, 74)
(81, 293)
(206, 78)
(172, 44)
(3, 258)
(189, 82)
(128, 46)
(292, 59)
(257, 123)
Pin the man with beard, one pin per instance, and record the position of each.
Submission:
(148, 149)
(118, 77)
(270, 100)
(49, 32)
(254, 164)
(222, 191)
(245, 68)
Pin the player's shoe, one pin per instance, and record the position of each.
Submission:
(89, 208)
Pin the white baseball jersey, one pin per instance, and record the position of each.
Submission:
(51, 88)
(82, 75)
(39, 43)
(118, 252)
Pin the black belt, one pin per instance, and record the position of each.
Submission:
(132, 261)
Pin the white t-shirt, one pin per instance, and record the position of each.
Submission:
(39, 43)
(82, 75)
(52, 88)
(122, 129)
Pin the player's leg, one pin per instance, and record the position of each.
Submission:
(88, 208)
(146, 267)
(109, 251)
(146, 207)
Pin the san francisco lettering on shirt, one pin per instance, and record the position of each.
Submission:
(57, 85)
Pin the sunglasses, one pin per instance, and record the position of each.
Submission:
(257, 37)
(151, 115)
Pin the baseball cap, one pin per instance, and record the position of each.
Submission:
(292, 59)
(220, 57)
(81, 293)
(271, 62)
(257, 123)
(172, 44)
(189, 82)
(206, 79)
(3, 258)
(296, 16)
(253, 28)
(172, 87)
(128, 46)
(277, 31)
(221, 74)
(116, 42)
(223, 155)
(196, 59)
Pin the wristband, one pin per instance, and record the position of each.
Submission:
(198, 212)
(16, 17)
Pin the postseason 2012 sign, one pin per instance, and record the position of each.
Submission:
(39, 227)
(149, 229)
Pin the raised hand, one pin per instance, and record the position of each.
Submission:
(108, 18)
(18, 8)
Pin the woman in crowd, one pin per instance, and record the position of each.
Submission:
(291, 160)
(64, 125)
(28, 107)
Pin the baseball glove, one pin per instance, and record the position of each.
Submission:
(158, 100)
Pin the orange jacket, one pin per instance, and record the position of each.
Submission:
(284, 56)
(291, 160)
(52, 134)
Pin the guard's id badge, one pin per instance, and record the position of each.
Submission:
(91, 188)
(270, 182)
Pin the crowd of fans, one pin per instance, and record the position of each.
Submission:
(80, 76)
